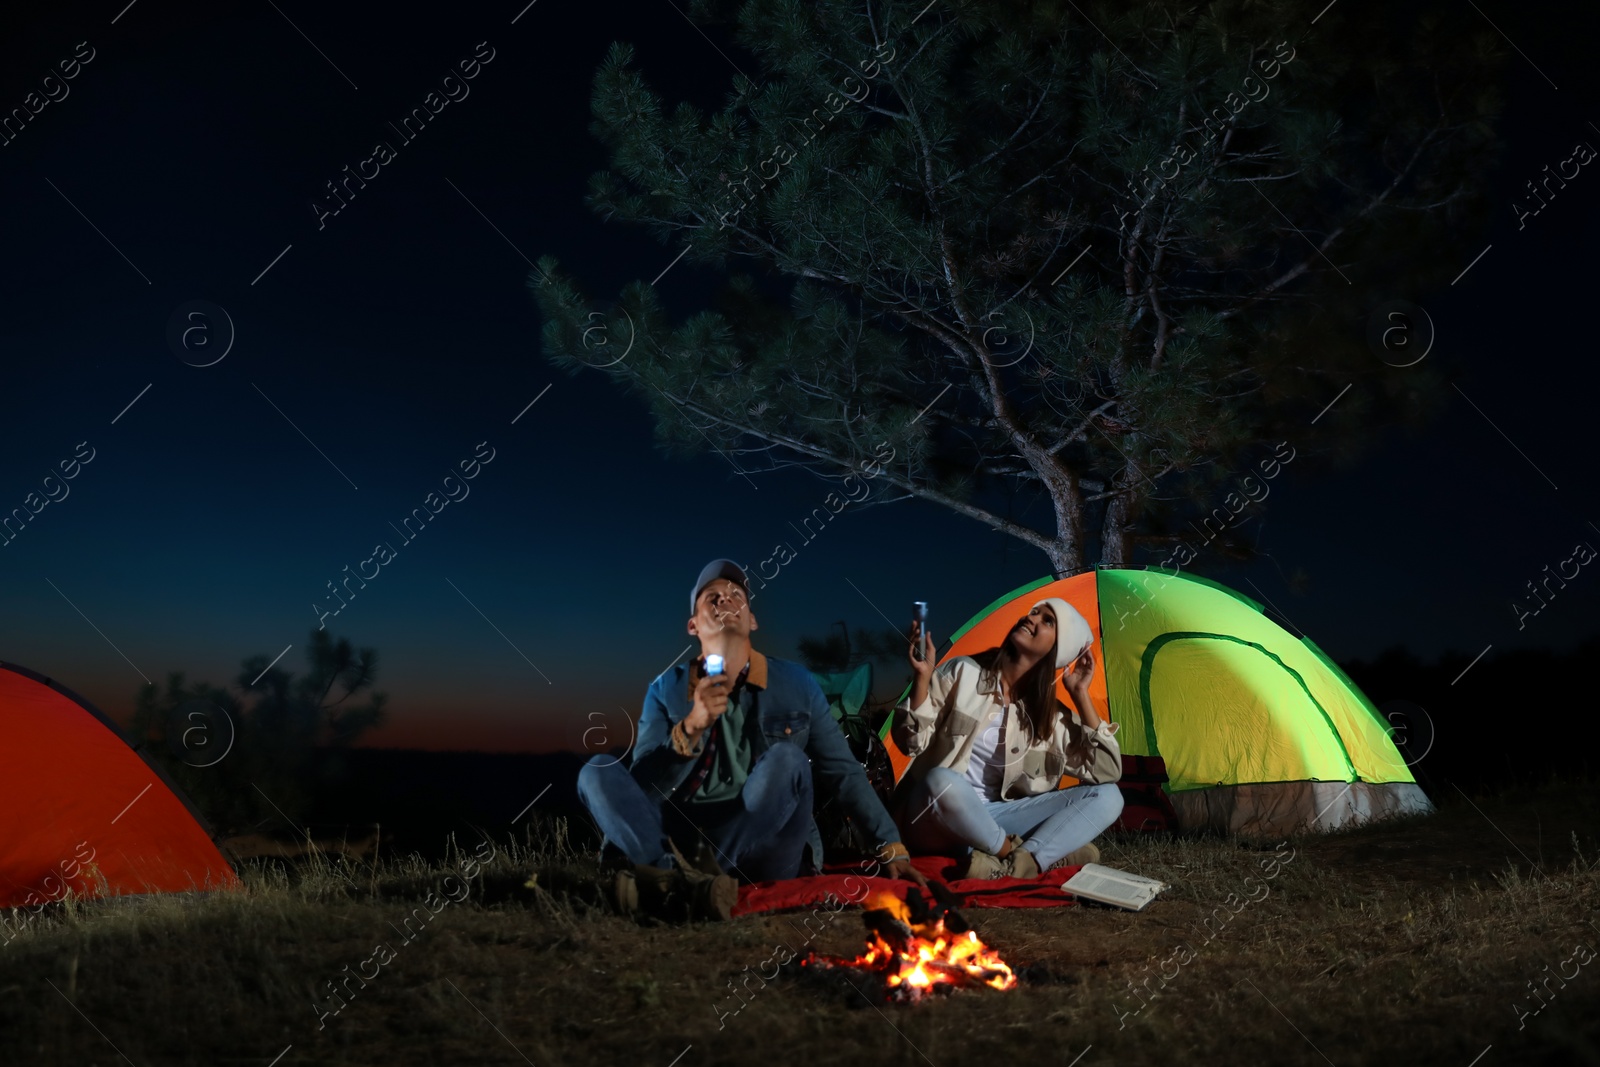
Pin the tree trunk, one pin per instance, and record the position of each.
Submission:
(1122, 510)
(1116, 531)
(1066, 558)
(1066, 498)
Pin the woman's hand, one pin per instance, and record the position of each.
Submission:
(922, 669)
(1080, 673)
(1076, 681)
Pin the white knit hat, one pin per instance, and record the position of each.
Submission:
(1072, 631)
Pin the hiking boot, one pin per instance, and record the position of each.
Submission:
(625, 894)
(1018, 863)
(711, 891)
(713, 897)
(674, 894)
(705, 860)
(1077, 857)
(1023, 865)
(982, 865)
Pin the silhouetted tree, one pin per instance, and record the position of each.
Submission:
(253, 756)
(1102, 254)
(839, 652)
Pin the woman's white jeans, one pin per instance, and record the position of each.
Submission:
(944, 813)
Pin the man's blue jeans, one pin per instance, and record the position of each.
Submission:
(757, 836)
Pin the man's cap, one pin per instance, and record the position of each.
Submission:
(718, 568)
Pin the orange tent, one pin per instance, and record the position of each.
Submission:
(83, 812)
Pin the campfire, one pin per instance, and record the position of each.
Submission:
(916, 947)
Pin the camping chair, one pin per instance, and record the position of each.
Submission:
(847, 694)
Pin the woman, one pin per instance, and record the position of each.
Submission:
(989, 742)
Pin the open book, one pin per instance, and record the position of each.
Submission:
(1111, 886)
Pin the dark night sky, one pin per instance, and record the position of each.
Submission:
(402, 334)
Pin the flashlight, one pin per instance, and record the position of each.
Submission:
(713, 663)
(919, 613)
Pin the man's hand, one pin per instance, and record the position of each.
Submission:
(710, 701)
(901, 868)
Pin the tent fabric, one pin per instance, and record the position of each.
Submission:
(1236, 707)
(1226, 696)
(848, 884)
(1273, 810)
(846, 691)
(84, 812)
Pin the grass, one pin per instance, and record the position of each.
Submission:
(1408, 942)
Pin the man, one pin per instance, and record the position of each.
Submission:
(728, 761)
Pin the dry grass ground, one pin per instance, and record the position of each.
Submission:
(1412, 942)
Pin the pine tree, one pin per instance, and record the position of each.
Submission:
(254, 756)
(1103, 254)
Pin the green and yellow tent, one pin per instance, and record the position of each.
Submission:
(1261, 733)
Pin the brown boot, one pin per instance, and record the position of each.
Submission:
(1078, 856)
(983, 865)
(1018, 863)
(675, 894)
(625, 894)
(713, 892)
(1023, 865)
(705, 859)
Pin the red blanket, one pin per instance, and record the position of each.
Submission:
(847, 884)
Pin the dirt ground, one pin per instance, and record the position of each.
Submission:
(1414, 942)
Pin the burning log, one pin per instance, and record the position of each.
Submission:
(917, 946)
(887, 926)
(942, 908)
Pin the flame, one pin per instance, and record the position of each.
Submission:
(883, 901)
(933, 956)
